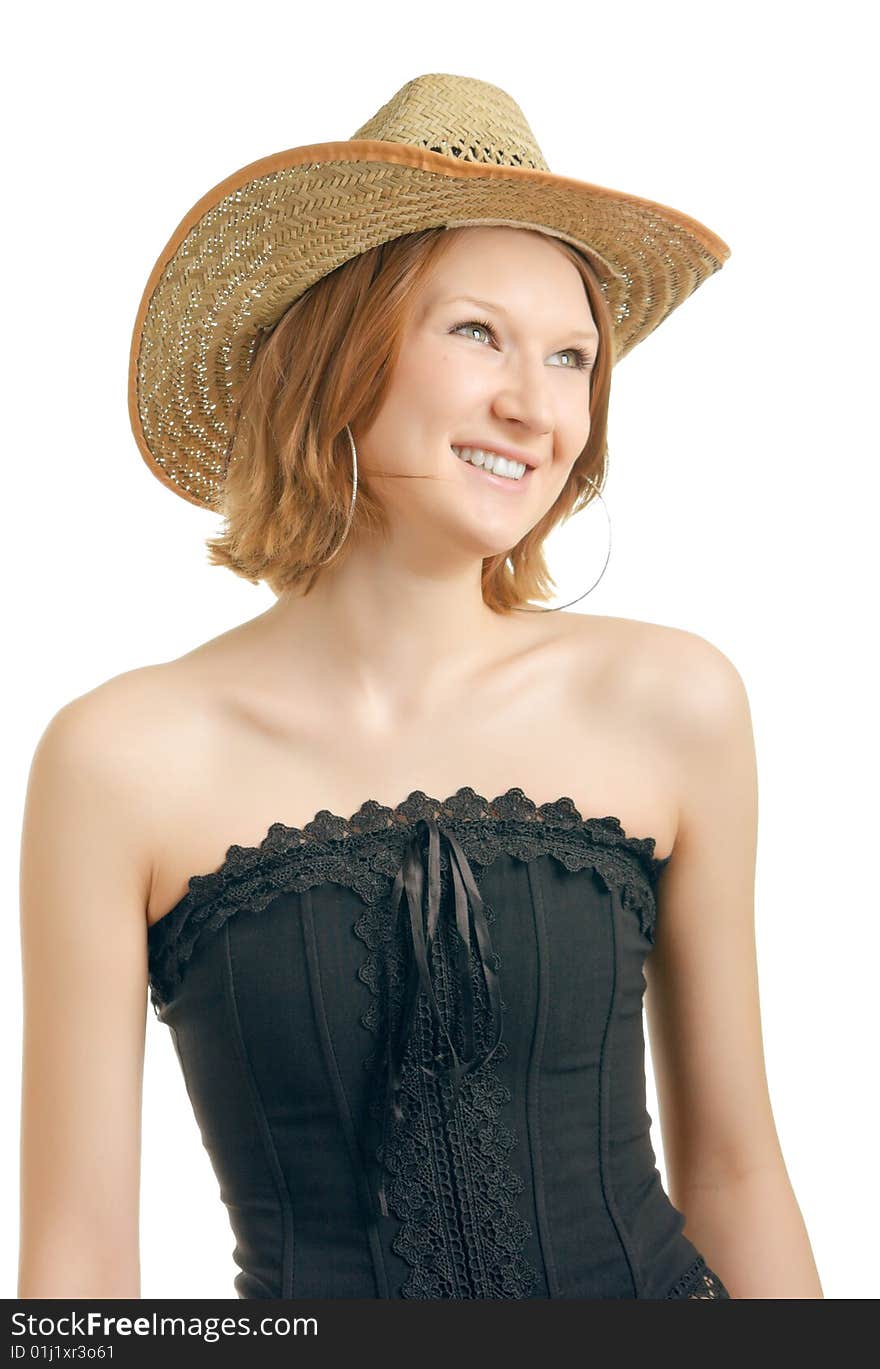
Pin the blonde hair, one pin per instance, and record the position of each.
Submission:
(328, 362)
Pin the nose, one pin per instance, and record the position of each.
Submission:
(524, 396)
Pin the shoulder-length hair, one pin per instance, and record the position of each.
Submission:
(328, 362)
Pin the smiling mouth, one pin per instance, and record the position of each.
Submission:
(505, 482)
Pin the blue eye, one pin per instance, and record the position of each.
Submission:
(583, 361)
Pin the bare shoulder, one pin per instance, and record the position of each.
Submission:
(113, 726)
(706, 709)
(684, 704)
(680, 679)
(111, 747)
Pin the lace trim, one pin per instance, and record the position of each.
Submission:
(363, 853)
(699, 1281)
(448, 1183)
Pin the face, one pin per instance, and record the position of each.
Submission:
(498, 354)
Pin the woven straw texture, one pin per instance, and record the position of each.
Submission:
(445, 151)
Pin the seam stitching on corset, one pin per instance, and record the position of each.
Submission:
(318, 1007)
(604, 1099)
(533, 1106)
(287, 1226)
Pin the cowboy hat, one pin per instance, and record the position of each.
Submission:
(445, 151)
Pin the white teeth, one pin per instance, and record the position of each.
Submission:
(498, 465)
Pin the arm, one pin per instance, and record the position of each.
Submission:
(724, 1163)
(84, 888)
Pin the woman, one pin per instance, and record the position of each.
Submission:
(408, 999)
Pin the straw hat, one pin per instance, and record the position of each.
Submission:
(445, 151)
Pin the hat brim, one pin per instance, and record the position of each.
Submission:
(260, 238)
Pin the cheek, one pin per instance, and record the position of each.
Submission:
(419, 372)
(454, 379)
(576, 428)
(437, 385)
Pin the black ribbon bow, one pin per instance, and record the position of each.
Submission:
(410, 879)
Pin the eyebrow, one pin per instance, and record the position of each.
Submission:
(580, 333)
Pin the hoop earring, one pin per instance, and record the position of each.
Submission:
(557, 607)
(353, 498)
(531, 609)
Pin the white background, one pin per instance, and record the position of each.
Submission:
(742, 487)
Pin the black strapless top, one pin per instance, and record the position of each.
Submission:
(413, 1044)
